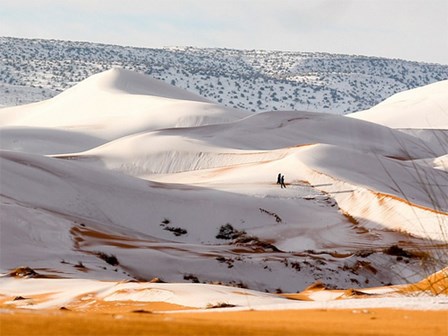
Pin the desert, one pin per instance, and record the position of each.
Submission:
(130, 204)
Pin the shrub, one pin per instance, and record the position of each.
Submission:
(191, 277)
(220, 305)
(24, 272)
(396, 250)
(109, 258)
(165, 221)
(228, 232)
(176, 230)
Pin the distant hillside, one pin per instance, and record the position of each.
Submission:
(33, 70)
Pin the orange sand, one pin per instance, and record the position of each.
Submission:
(298, 322)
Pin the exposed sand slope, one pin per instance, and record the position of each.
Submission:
(312, 322)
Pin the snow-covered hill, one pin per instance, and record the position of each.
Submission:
(116, 103)
(422, 112)
(250, 80)
(421, 108)
(125, 177)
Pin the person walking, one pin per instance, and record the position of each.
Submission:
(282, 182)
(279, 178)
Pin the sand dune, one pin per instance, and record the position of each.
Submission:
(421, 108)
(125, 178)
(117, 103)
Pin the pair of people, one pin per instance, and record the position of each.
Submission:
(281, 180)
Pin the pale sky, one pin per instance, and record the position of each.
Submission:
(415, 30)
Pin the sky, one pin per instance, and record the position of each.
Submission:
(415, 30)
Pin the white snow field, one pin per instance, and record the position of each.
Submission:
(421, 108)
(124, 177)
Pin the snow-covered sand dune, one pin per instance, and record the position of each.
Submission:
(78, 210)
(262, 137)
(89, 295)
(117, 103)
(421, 108)
(123, 177)
(421, 112)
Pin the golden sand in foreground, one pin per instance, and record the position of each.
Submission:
(303, 322)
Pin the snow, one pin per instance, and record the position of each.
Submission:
(65, 291)
(116, 103)
(127, 166)
(381, 190)
(251, 80)
(421, 108)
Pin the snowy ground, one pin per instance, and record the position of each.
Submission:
(89, 295)
(122, 177)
